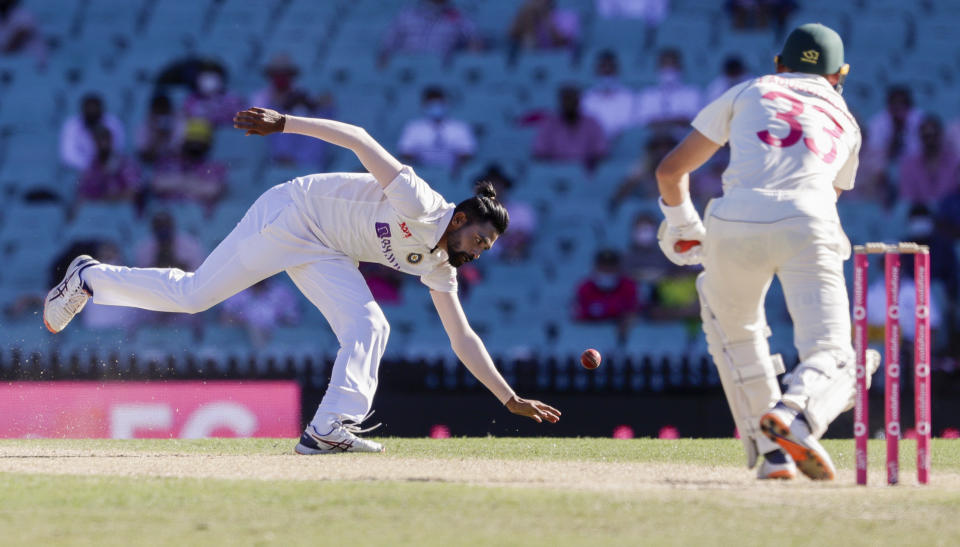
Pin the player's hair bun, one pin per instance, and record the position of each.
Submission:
(485, 189)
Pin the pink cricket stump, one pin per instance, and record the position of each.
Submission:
(892, 369)
(921, 365)
(861, 413)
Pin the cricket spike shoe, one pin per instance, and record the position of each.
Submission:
(66, 300)
(777, 464)
(342, 437)
(789, 429)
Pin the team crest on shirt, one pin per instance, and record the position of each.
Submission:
(414, 258)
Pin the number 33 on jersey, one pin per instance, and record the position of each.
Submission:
(792, 131)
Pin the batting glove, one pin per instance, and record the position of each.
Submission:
(681, 234)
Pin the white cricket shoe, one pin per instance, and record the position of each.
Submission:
(789, 429)
(342, 437)
(777, 464)
(69, 296)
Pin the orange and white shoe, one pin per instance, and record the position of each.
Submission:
(777, 464)
(789, 429)
(65, 301)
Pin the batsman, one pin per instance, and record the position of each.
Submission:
(793, 151)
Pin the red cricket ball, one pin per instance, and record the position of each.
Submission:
(590, 359)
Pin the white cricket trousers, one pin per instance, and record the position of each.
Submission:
(270, 238)
(807, 255)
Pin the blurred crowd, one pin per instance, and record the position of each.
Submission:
(910, 157)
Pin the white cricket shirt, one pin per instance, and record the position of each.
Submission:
(398, 226)
(792, 141)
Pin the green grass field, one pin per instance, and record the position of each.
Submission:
(476, 491)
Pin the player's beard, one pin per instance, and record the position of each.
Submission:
(456, 256)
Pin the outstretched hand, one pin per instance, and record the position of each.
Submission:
(259, 121)
(535, 410)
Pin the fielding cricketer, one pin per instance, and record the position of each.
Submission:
(317, 228)
(793, 149)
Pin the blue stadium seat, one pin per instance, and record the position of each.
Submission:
(574, 337)
(28, 336)
(232, 340)
(873, 33)
(237, 150)
(306, 339)
(103, 220)
(31, 225)
(480, 68)
(688, 32)
(670, 339)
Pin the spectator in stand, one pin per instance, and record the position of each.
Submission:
(436, 139)
(652, 12)
(261, 309)
(921, 227)
(192, 176)
(282, 94)
(953, 134)
(670, 104)
(100, 316)
(666, 291)
(948, 215)
(19, 33)
(160, 136)
(77, 146)
(539, 24)
(608, 294)
(931, 173)
(894, 130)
(182, 73)
(430, 26)
(514, 244)
(386, 284)
(640, 261)
(210, 100)
(640, 183)
(873, 175)
(111, 176)
(760, 14)
(110, 317)
(609, 101)
(570, 135)
(168, 247)
(734, 72)
(924, 228)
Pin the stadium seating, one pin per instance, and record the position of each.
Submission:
(116, 48)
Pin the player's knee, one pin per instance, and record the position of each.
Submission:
(372, 326)
(194, 302)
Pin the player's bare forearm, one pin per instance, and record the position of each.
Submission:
(374, 157)
(470, 350)
(673, 172)
(673, 189)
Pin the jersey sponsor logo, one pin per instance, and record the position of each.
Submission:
(810, 56)
(383, 232)
(387, 250)
(405, 230)
(414, 258)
